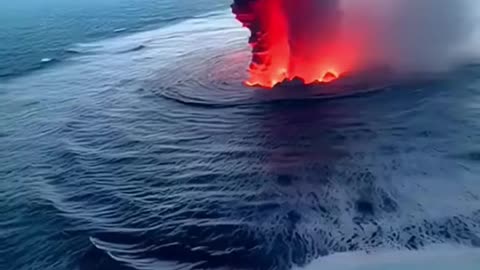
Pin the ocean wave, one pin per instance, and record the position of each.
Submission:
(39, 65)
(162, 158)
(119, 30)
(135, 49)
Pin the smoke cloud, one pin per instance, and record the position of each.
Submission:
(411, 35)
(308, 38)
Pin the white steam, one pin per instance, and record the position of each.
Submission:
(413, 35)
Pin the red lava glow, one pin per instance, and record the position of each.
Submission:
(330, 76)
(276, 58)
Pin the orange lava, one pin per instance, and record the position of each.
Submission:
(277, 57)
(330, 76)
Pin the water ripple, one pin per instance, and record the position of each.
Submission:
(161, 159)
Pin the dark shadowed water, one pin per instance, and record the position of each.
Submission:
(144, 151)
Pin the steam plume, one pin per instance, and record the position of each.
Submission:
(309, 38)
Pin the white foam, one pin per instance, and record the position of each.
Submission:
(214, 30)
(46, 60)
(440, 257)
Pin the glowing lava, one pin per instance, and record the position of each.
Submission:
(330, 76)
(290, 39)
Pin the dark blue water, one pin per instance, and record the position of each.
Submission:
(142, 150)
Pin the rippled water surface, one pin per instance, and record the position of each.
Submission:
(145, 151)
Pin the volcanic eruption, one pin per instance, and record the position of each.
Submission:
(317, 41)
(294, 40)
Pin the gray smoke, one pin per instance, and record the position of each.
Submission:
(412, 35)
(344, 35)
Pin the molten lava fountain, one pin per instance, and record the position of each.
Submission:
(295, 39)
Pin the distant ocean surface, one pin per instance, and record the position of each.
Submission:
(127, 141)
(32, 31)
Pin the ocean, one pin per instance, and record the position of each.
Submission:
(128, 141)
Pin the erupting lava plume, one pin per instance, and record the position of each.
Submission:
(319, 40)
(294, 39)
